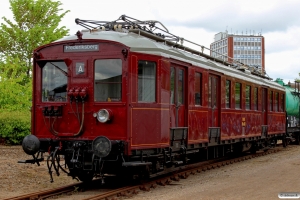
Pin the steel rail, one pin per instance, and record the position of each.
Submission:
(47, 193)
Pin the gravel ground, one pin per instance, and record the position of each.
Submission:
(258, 178)
(17, 178)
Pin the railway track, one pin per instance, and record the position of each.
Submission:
(48, 193)
(9, 147)
(128, 191)
(176, 176)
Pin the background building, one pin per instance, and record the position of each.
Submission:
(247, 49)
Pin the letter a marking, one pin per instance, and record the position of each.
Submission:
(80, 70)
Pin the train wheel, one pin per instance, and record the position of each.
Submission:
(253, 148)
(297, 142)
(274, 142)
(284, 141)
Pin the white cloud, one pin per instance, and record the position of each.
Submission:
(279, 41)
(284, 65)
(200, 20)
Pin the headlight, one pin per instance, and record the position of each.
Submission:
(31, 144)
(103, 115)
(101, 146)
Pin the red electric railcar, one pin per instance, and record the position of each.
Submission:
(120, 97)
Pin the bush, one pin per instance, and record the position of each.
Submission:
(14, 126)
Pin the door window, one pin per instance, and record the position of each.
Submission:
(172, 85)
(146, 81)
(198, 86)
(212, 92)
(180, 88)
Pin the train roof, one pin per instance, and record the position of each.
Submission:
(141, 41)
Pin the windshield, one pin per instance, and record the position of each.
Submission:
(108, 80)
(54, 81)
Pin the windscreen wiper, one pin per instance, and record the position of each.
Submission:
(57, 67)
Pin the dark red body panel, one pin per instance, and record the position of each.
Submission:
(147, 125)
(68, 123)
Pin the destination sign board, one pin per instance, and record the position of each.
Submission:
(81, 48)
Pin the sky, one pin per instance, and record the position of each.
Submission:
(199, 20)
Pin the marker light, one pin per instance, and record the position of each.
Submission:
(103, 115)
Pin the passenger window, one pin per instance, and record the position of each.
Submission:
(237, 95)
(248, 97)
(198, 86)
(228, 93)
(108, 80)
(146, 81)
(270, 101)
(281, 103)
(276, 102)
(255, 99)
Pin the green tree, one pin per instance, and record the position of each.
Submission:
(15, 87)
(36, 23)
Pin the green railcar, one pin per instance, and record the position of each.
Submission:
(292, 107)
(292, 99)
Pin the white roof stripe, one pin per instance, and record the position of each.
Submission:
(141, 44)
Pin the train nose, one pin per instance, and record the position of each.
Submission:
(31, 144)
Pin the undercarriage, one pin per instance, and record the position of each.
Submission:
(79, 160)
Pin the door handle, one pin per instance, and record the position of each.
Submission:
(214, 107)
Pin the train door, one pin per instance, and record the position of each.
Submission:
(264, 106)
(213, 101)
(177, 96)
